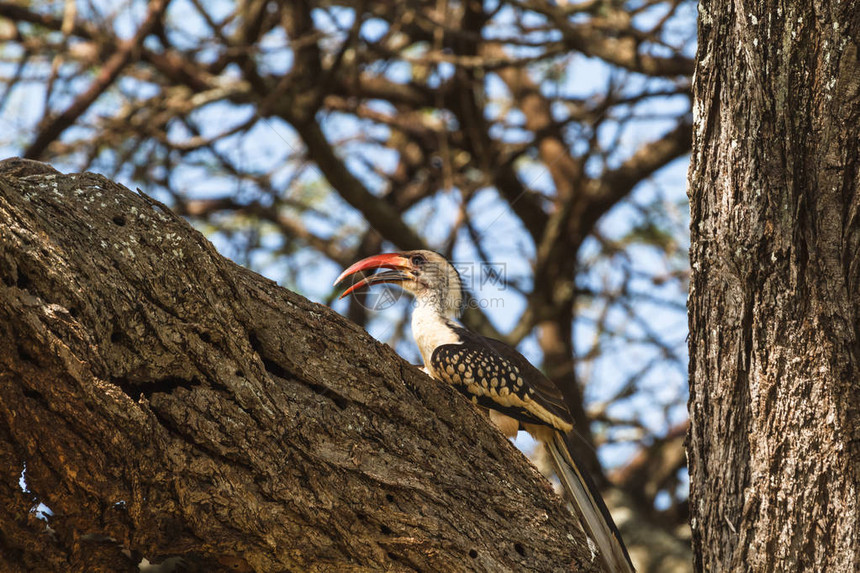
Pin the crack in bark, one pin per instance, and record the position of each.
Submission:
(167, 385)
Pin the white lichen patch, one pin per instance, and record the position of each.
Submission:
(592, 547)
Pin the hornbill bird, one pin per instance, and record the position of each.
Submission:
(492, 375)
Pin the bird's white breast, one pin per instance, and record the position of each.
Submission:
(431, 330)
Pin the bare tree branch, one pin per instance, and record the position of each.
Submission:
(108, 74)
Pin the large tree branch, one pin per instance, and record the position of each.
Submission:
(165, 401)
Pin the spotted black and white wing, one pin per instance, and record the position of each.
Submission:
(494, 375)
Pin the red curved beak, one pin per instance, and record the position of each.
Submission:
(400, 271)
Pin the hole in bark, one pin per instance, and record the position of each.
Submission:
(24, 355)
(33, 394)
(119, 220)
(216, 385)
(204, 336)
(240, 374)
(337, 399)
(473, 553)
(385, 529)
(254, 342)
(148, 388)
(115, 336)
(23, 281)
(271, 366)
(275, 368)
(389, 497)
(520, 549)
(73, 312)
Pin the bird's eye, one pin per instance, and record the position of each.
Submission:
(418, 260)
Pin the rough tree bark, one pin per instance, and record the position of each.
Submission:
(774, 446)
(165, 401)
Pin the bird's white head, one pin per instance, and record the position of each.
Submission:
(427, 276)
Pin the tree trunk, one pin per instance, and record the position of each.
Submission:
(774, 445)
(163, 401)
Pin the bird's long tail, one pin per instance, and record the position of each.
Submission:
(582, 491)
